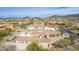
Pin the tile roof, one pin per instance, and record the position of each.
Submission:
(36, 36)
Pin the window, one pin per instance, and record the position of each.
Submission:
(26, 42)
(51, 35)
(45, 36)
(20, 42)
(57, 35)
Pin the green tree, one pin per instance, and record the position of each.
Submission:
(76, 47)
(2, 35)
(73, 37)
(23, 26)
(61, 29)
(64, 42)
(69, 24)
(34, 46)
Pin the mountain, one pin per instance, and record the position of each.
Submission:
(73, 16)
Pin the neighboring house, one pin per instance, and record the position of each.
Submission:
(40, 27)
(3, 26)
(6, 25)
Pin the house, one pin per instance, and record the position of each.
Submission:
(23, 41)
(40, 27)
(44, 38)
(3, 26)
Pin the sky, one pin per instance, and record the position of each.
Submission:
(37, 11)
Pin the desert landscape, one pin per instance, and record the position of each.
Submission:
(52, 33)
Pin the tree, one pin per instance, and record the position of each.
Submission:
(70, 24)
(23, 26)
(61, 29)
(64, 42)
(34, 46)
(73, 37)
(2, 35)
(76, 47)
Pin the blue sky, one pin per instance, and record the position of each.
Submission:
(36, 11)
